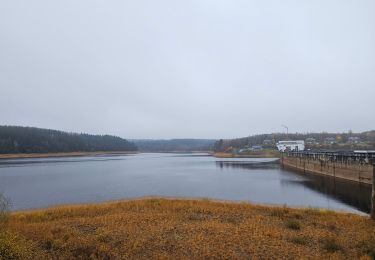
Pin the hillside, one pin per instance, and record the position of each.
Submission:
(17, 139)
(174, 145)
(342, 141)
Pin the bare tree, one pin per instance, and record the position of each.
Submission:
(4, 209)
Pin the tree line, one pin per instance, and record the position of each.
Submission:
(174, 145)
(367, 138)
(17, 139)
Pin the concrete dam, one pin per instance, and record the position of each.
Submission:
(357, 166)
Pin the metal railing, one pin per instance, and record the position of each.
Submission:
(359, 157)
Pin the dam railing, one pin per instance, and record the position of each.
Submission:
(356, 157)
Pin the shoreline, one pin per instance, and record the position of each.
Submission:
(63, 154)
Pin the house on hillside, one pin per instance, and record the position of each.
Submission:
(285, 146)
(256, 148)
(354, 140)
(330, 140)
(268, 142)
(310, 140)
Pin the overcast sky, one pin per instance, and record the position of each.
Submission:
(200, 69)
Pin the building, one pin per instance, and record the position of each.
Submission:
(267, 142)
(330, 140)
(256, 148)
(244, 150)
(310, 140)
(354, 140)
(284, 146)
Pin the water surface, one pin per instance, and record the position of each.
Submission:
(42, 182)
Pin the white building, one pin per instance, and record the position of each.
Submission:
(298, 145)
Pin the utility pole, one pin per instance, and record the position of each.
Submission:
(287, 130)
(373, 193)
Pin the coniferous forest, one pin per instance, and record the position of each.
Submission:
(17, 139)
(174, 145)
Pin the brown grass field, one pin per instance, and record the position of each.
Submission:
(185, 229)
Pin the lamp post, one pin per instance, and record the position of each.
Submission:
(373, 193)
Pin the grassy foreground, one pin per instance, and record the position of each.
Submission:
(185, 229)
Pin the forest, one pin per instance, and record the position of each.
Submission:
(17, 139)
(174, 145)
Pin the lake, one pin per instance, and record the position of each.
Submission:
(42, 182)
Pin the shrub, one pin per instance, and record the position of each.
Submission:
(368, 247)
(330, 244)
(4, 210)
(293, 224)
(371, 252)
(299, 240)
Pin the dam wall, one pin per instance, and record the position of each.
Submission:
(347, 166)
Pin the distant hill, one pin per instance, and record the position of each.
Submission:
(174, 145)
(342, 141)
(17, 139)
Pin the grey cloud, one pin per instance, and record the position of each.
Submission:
(203, 69)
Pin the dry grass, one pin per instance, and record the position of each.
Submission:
(185, 229)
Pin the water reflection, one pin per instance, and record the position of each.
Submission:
(351, 193)
(247, 165)
(78, 159)
(354, 194)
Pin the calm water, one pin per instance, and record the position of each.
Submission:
(34, 183)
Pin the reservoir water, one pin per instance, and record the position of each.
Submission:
(42, 182)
